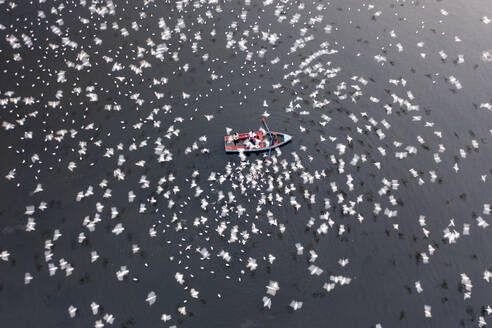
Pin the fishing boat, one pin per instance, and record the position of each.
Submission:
(256, 141)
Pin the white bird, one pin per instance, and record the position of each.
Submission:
(300, 248)
(489, 310)
(122, 272)
(486, 275)
(27, 278)
(343, 262)
(194, 293)
(4, 255)
(109, 318)
(272, 288)
(72, 166)
(252, 265)
(481, 222)
(166, 317)
(418, 287)
(94, 308)
(94, 256)
(10, 175)
(329, 286)
(315, 270)
(39, 188)
(151, 298)
(31, 225)
(179, 278)
(42, 206)
(182, 310)
(57, 234)
(313, 256)
(427, 311)
(72, 310)
(118, 229)
(295, 305)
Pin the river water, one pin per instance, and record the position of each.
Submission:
(370, 56)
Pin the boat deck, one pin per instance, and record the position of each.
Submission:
(241, 142)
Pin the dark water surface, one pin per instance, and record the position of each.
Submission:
(385, 260)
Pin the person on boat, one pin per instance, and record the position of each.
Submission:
(248, 144)
(251, 138)
(257, 141)
(235, 138)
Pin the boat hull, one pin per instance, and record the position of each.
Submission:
(280, 140)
